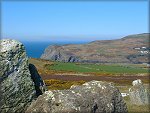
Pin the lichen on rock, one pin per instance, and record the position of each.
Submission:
(91, 97)
(17, 89)
(139, 95)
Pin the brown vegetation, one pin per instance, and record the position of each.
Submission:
(54, 84)
(122, 80)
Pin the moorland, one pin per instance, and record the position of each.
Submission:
(60, 75)
(118, 61)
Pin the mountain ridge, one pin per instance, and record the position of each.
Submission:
(129, 49)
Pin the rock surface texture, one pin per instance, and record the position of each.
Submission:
(17, 88)
(130, 49)
(91, 97)
(139, 95)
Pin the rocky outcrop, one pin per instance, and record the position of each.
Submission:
(57, 53)
(139, 95)
(91, 97)
(130, 49)
(17, 88)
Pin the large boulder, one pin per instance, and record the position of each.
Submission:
(91, 97)
(17, 88)
(139, 95)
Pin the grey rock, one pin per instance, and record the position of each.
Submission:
(139, 95)
(91, 97)
(56, 53)
(17, 88)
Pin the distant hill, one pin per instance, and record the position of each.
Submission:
(129, 49)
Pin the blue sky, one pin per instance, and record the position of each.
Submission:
(73, 21)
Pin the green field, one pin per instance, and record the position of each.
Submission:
(96, 68)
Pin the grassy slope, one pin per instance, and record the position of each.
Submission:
(99, 68)
(50, 67)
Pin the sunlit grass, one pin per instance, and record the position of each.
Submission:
(97, 68)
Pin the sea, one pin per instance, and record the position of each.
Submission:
(36, 49)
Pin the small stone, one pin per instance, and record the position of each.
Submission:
(139, 95)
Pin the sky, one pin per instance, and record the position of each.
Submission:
(73, 21)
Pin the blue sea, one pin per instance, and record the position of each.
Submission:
(36, 49)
